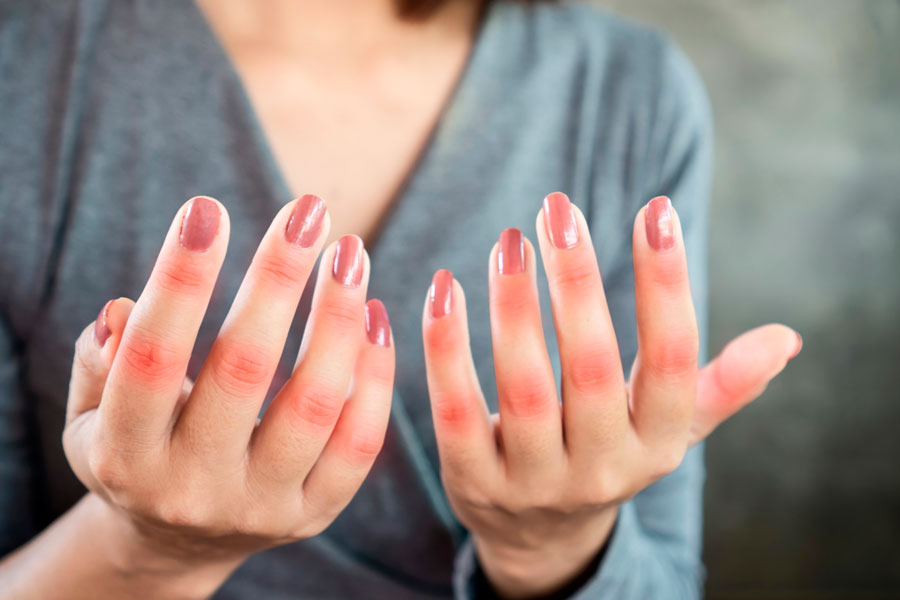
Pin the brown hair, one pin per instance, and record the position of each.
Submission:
(421, 9)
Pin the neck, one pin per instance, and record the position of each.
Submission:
(347, 27)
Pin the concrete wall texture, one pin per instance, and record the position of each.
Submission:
(803, 494)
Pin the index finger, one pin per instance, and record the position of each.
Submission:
(150, 365)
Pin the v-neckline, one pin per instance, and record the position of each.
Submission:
(437, 132)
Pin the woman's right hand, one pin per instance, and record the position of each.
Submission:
(191, 476)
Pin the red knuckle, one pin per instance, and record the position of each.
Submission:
(444, 338)
(674, 357)
(241, 368)
(515, 303)
(363, 446)
(318, 407)
(595, 370)
(282, 273)
(182, 276)
(454, 410)
(528, 397)
(150, 360)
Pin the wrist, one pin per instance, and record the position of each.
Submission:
(518, 573)
(163, 565)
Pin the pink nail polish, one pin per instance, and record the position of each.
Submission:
(799, 346)
(101, 328)
(305, 224)
(560, 220)
(660, 224)
(348, 261)
(511, 253)
(440, 296)
(200, 224)
(378, 328)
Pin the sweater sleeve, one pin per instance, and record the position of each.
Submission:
(654, 549)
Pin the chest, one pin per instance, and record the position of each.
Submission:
(350, 133)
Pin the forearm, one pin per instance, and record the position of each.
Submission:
(91, 553)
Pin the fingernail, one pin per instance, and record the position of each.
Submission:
(378, 328)
(798, 348)
(348, 261)
(305, 224)
(560, 220)
(101, 329)
(660, 224)
(511, 253)
(440, 294)
(200, 224)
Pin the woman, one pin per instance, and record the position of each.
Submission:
(430, 127)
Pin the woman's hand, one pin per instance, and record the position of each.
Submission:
(194, 481)
(539, 484)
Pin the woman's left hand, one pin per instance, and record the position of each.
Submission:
(538, 485)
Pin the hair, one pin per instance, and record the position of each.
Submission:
(422, 9)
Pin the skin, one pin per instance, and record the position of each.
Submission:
(184, 485)
(538, 485)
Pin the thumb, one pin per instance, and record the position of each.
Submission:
(740, 374)
(94, 352)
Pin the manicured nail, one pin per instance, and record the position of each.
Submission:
(660, 224)
(378, 328)
(798, 348)
(101, 329)
(348, 261)
(560, 220)
(511, 253)
(440, 295)
(305, 224)
(200, 224)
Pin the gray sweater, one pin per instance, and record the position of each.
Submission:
(114, 112)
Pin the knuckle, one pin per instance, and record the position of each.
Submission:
(595, 369)
(363, 446)
(181, 513)
(150, 359)
(342, 315)
(454, 410)
(528, 396)
(674, 355)
(240, 367)
(181, 276)
(381, 373)
(515, 303)
(444, 338)
(281, 272)
(108, 470)
(574, 275)
(604, 488)
(669, 272)
(318, 406)
(669, 459)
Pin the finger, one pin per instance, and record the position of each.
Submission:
(595, 407)
(148, 370)
(664, 379)
(221, 414)
(462, 426)
(359, 433)
(94, 352)
(740, 374)
(300, 419)
(530, 416)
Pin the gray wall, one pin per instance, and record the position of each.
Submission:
(803, 495)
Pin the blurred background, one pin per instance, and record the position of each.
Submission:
(803, 492)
